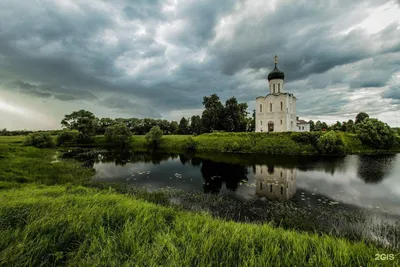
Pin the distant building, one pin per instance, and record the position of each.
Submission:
(276, 112)
(275, 183)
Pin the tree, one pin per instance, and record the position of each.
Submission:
(337, 126)
(183, 127)
(375, 133)
(195, 124)
(318, 126)
(330, 143)
(102, 125)
(211, 117)
(154, 136)
(312, 125)
(361, 117)
(67, 136)
(251, 125)
(82, 121)
(119, 134)
(173, 127)
(324, 126)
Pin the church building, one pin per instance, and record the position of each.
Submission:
(276, 112)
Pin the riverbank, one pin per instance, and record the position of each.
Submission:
(48, 217)
(255, 143)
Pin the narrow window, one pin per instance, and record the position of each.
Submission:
(261, 170)
(270, 106)
(302, 128)
(274, 87)
(299, 128)
(281, 122)
(281, 174)
(281, 105)
(260, 108)
(281, 190)
(270, 188)
(261, 123)
(287, 110)
(260, 185)
(279, 87)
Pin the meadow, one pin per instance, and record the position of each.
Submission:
(50, 215)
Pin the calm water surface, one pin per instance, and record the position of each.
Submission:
(370, 182)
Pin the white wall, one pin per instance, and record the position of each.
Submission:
(303, 127)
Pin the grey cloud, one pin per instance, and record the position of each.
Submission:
(393, 92)
(130, 107)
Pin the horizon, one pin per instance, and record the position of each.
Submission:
(159, 59)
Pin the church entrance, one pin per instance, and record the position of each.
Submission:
(270, 126)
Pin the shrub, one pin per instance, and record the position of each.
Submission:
(67, 136)
(307, 137)
(330, 143)
(190, 144)
(119, 134)
(232, 147)
(375, 133)
(154, 136)
(39, 139)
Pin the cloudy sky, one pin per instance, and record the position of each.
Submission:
(154, 58)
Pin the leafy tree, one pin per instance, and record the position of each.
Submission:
(211, 117)
(67, 136)
(119, 134)
(330, 143)
(350, 126)
(318, 126)
(183, 127)
(361, 117)
(39, 139)
(312, 125)
(195, 124)
(337, 126)
(154, 136)
(103, 123)
(251, 125)
(82, 121)
(375, 133)
(324, 126)
(173, 127)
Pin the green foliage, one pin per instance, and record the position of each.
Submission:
(118, 134)
(39, 139)
(330, 143)
(375, 133)
(154, 136)
(67, 136)
(190, 144)
(195, 125)
(82, 121)
(361, 117)
(307, 137)
(183, 127)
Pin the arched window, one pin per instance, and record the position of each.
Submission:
(281, 106)
(273, 87)
(279, 87)
(261, 123)
(260, 108)
(270, 106)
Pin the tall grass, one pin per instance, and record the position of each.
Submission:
(77, 226)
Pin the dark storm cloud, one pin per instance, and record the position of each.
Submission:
(171, 59)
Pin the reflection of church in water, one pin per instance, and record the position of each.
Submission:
(275, 183)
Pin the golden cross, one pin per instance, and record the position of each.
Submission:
(276, 59)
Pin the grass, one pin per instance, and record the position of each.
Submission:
(49, 216)
(257, 143)
(78, 226)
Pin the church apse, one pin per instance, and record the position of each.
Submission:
(275, 183)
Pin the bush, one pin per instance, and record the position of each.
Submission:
(154, 136)
(39, 139)
(307, 137)
(67, 136)
(374, 133)
(330, 143)
(190, 144)
(118, 134)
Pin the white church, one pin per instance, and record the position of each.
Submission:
(276, 112)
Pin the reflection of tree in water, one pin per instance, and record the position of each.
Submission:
(196, 161)
(329, 164)
(373, 169)
(184, 158)
(215, 174)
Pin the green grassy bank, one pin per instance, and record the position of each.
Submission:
(261, 143)
(78, 226)
(49, 216)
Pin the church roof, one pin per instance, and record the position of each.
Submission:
(302, 122)
(276, 94)
(276, 73)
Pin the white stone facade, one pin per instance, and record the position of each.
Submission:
(275, 183)
(302, 127)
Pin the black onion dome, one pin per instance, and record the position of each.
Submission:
(276, 74)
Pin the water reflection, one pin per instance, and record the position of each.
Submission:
(373, 169)
(274, 182)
